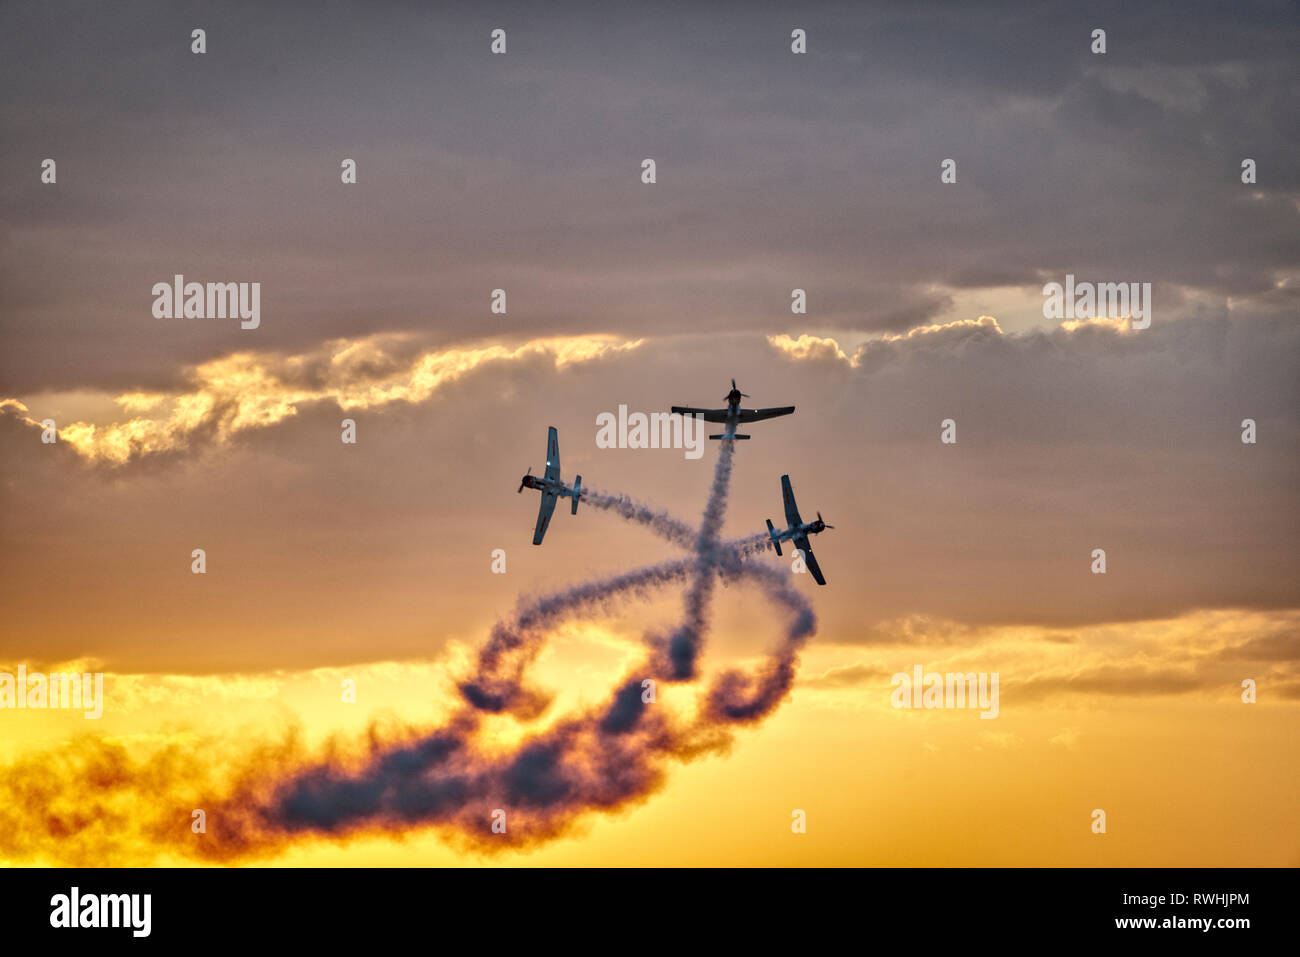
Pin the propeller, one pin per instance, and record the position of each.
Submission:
(743, 395)
(521, 481)
(824, 525)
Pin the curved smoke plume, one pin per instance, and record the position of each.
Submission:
(451, 778)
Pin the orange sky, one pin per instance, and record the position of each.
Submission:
(330, 562)
(778, 173)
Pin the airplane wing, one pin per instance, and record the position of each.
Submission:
(552, 466)
(791, 509)
(710, 415)
(801, 543)
(758, 415)
(544, 513)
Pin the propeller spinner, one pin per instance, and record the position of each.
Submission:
(743, 395)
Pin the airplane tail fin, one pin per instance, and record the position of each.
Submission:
(725, 436)
(577, 493)
(776, 542)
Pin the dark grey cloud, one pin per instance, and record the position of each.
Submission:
(521, 171)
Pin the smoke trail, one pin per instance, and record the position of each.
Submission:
(513, 645)
(681, 648)
(734, 695)
(675, 531)
(452, 778)
(669, 528)
(605, 758)
(600, 760)
(738, 697)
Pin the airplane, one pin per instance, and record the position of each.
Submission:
(733, 414)
(798, 531)
(550, 486)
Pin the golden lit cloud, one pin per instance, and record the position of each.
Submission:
(247, 390)
(809, 347)
(1204, 653)
(823, 348)
(983, 322)
(1117, 324)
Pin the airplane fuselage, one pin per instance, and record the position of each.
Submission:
(551, 486)
(543, 484)
(733, 415)
(733, 410)
(799, 531)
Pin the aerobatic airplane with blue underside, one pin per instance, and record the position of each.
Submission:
(798, 530)
(550, 486)
(733, 414)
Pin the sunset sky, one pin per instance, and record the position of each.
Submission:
(372, 562)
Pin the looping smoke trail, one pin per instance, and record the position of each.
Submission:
(736, 696)
(450, 778)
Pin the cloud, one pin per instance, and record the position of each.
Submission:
(998, 741)
(1067, 441)
(1117, 323)
(1130, 681)
(810, 179)
(1193, 654)
(806, 347)
(809, 348)
(949, 329)
(1067, 738)
(1277, 647)
(247, 390)
(848, 676)
(1288, 691)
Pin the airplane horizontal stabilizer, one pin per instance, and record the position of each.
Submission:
(776, 542)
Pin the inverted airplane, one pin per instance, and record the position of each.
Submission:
(550, 486)
(798, 530)
(733, 414)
